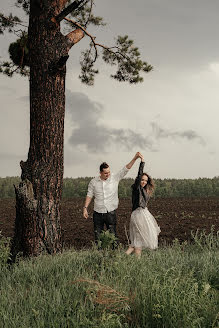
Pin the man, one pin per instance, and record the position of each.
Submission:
(104, 189)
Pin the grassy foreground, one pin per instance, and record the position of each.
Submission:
(171, 287)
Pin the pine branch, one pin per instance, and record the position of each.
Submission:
(24, 4)
(97, 44)
(85, 31)
(90, 13)
(9, 68)
(9, 22)
(72, 7)
(125, 55)
(85, 17)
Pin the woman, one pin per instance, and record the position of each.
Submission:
(144, 229)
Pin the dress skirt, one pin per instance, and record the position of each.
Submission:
(144, 229)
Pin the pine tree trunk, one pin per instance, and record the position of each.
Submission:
(38, 197)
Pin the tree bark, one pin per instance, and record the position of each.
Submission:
(38, 197)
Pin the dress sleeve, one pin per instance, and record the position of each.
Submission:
(139, 176)
(90, 191)
(120, 175)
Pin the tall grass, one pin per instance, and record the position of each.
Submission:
(171, 287)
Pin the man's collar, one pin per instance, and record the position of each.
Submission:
(99, 178)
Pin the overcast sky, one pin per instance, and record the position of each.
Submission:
(172, 117)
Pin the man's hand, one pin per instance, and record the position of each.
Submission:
(86, 204)
(137, 155)
(85, 213)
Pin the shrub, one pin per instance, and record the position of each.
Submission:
(4, 249)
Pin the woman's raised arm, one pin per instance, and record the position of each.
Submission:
(140, 173)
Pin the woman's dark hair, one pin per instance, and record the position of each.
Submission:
(150, 184)
(104, 165)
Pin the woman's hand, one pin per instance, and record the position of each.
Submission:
(141, 157)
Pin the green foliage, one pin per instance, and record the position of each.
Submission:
(188, 188)
(124, 54)
(75, 187)
(88, 71)
(4, 250)
(170, 287)
(24, 4)
(8, 68)
(127, 57)
(206, 241)
(8, 23)
(107, 240)
(18, 51)
(84, 15)
(7, 186)
(19, 55)
(201, 187)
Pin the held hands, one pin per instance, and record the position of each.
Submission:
(139, 155)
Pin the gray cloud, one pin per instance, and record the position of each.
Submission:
(85, 115)
(160, 133)
(88, 132)
(130, 139)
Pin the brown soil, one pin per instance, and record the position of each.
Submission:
(176, 218)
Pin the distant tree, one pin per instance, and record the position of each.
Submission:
(41, 52)
(77, 187)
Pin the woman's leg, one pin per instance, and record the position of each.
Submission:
(138, 252)
(129, 250)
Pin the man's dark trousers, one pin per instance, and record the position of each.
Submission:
(99, 219)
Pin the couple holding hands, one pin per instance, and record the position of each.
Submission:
(144, 229)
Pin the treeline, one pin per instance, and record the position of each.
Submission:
(202, 187)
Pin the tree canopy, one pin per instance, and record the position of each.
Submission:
(123, 54)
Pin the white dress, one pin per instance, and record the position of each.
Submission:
(144, 229)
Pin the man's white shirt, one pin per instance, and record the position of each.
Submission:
(105, 192)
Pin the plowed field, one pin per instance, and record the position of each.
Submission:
(176, 218)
